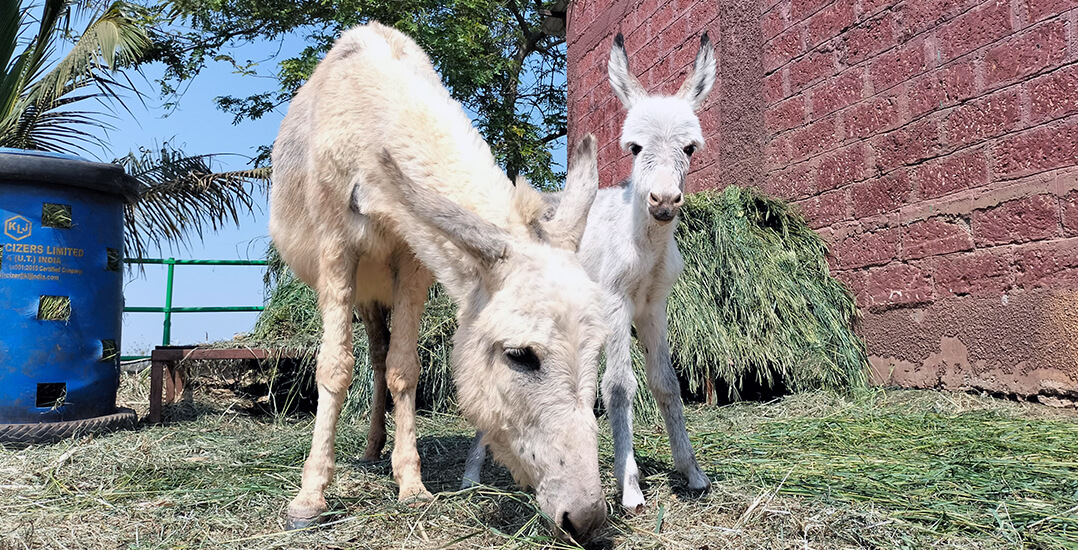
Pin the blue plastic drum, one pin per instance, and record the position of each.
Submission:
(61, 294)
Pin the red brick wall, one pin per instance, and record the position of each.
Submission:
(933, 143)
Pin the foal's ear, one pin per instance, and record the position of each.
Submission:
(699, 83)
(625, 85)
(566, 226)
(478, 238)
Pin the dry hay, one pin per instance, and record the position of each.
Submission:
(877, 470)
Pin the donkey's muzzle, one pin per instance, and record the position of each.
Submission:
(665, 206)
(582, 521)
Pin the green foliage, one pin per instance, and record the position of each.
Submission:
(41, 98)
(503, 60)
(757, 299)
(180, 194)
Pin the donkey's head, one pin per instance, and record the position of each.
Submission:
(526, 352)
(662, 132)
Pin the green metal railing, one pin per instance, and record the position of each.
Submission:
(168, 310)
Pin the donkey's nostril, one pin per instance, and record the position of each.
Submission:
(679, 199)
(653, 198)
(568, 526)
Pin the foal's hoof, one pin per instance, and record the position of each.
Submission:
(294, 521)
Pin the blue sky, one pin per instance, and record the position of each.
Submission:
(198, 128)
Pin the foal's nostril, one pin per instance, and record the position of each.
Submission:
(653, 198)
(679, 199)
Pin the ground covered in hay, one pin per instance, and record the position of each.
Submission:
(882, 469)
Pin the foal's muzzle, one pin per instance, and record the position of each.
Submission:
(665, 206)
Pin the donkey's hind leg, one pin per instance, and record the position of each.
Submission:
(376, 322)
(336, 290)
(402, 373)
(619, 392)
(651, 330)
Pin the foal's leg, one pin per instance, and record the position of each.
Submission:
(402, 373)
(336, 288)
(473, 465)
(376, 322)
(651, 331)
(619, 391)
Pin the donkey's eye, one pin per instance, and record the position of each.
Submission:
(689, 149)
(635, 149)
(522, 359)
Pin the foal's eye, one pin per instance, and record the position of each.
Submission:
(689, 149)
(522, 359)
(635, 149)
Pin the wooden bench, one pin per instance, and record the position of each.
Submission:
(166, 368)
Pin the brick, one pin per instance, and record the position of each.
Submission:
(1054, 95)
(1043, 47)
(975, 28)
(897, 285)
(835, 93)
(1017, 221)
(907, 145)
(814, 139)
(830, 22)
(773, 87)
(792, 183)
(870, 7)
(784, 48)
(880, 195)
(917, 16)
(869, 248)
(954, 172)
(811, 67)
(786, 115)
(1052, 263)
(872, 116)
(983, 118)
(773, 22)
(869, 38)
(856, 282)
(1069, 204)
(984, 272)
(941, 88)
(825, 209)
(841, 168)
(1037, 150)
(1040, 9)
(898, 66)
(777, 152)
(935, 236)
(800, 9)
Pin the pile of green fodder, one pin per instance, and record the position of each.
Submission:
(756, 304)
(291, 319)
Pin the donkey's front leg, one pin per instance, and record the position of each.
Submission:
(619, 391)
(663, 382)
(336, 282)
(402, 374)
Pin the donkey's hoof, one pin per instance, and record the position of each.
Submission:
(415, 498)
(304, 517)
(699, 483)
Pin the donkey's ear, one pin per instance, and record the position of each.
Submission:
(478, 238)
(625, 85)
(566, 226)
(698, 85)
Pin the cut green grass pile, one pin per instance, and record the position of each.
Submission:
(879, 469)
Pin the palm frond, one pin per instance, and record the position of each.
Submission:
(181, 195)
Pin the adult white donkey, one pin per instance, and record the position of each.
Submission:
(379, 181)
(629, 249)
